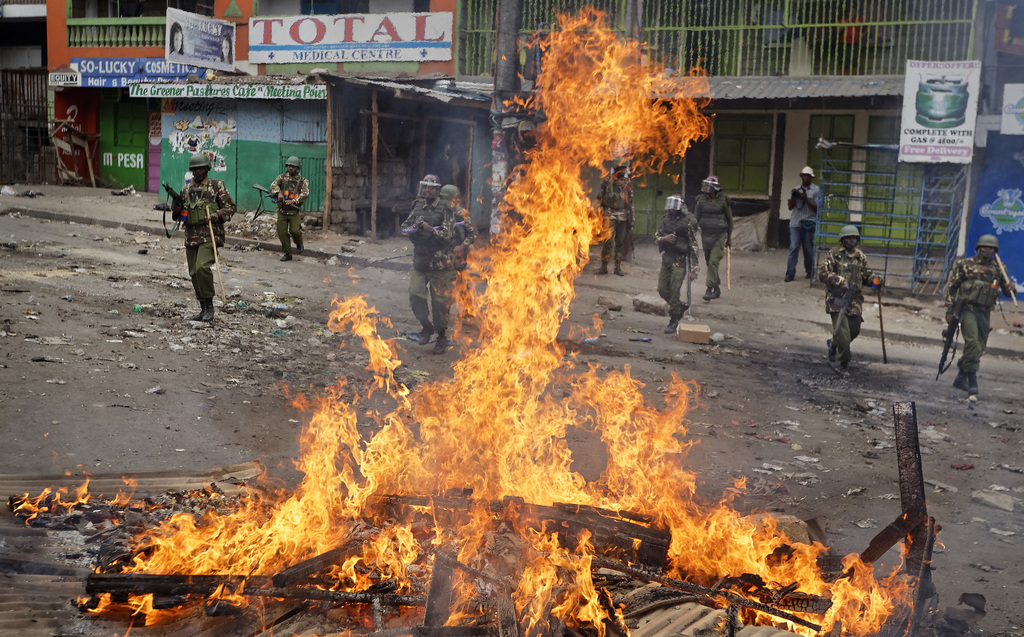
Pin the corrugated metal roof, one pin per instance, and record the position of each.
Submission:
(444, 90)
(774, 87)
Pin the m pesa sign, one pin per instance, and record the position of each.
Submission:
(390, 37)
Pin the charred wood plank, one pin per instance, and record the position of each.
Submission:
(254, 586)
(703, 591)
(315, 564)
(439, 594)
(898, 529)
(436, 631)
(908, 455)
(502, 582)
(505, 612)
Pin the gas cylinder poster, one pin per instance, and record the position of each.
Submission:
(999, 206)
(940, 107)
(200, 41)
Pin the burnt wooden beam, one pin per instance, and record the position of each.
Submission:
(439, 593)
(505, 613)
(314, 564)
(898, 529)
(707, 593)
(254, 586)
(501, 581)
(908, 455)
(435, 631)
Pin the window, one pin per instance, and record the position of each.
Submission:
(743, 152)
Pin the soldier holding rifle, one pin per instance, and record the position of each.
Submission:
(677, 241)
(845, 272)
(203, 206)
(290, 190)
(971, 293)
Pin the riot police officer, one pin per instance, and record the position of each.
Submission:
(290, 190)
(204, 204)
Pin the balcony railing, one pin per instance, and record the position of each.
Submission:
(771, 37)
(116, 32)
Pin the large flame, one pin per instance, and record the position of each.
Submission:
(499, 425)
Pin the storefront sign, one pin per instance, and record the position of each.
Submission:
(391, 37)
(940, 107)
(1012, 122)
(64, 78)
(120, 72)
(999, 206)
(196, 39)
(231, 91)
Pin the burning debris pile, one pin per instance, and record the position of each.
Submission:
(462, 514)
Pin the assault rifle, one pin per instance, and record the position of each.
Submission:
(179, 204)
(949, 339)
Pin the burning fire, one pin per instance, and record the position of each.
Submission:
(499, 426)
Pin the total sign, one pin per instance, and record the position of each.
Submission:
(391, 37)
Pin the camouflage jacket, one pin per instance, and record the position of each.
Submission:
(836, 270)
(616, 198)
(465, 236)
(292, 193)
(209, 196)
(714, 215)
(684, 227)
(432, 251)
(976, 282)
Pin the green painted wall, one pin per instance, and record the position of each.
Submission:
(250, 162)
(124, 140)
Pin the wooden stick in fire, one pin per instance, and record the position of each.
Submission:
(1002, 268)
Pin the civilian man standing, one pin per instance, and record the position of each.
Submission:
(803, 201)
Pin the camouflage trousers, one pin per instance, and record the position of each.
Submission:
(975, 325)
(438, 285)
(849, 330)
(714, 252)
(670, 281)
(200, 268)
(615, 244)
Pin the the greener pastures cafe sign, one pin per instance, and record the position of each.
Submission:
(231, 91)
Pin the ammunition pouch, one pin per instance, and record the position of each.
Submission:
(979, 293)
(199, 212)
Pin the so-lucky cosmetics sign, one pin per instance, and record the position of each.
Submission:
(390, 37)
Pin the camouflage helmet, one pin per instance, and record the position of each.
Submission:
(294, 161)
(849, 231)
(199, 160)
(675, 202)
(987, 241)
(450, 192)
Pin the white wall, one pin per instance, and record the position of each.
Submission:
(21, 57)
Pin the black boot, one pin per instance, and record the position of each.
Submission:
(441, 346)
(960, 382)
(673, 323)
(832, 349)
(708, 295)
(716, 292)
(299, 247)
(207, 314)
(972, 383)
(422, 314)
(202, 311)
(604, 268)
(286, 257)
(618, 269)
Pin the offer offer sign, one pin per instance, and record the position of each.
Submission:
(940, 109)
(391, 37)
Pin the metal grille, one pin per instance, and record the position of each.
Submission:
(908, 214)
(24, 131)
(476, 53)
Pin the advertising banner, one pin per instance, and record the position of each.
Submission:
(230, 91)
(1012, 122)
(998, 207)
(940, 108)
(199, 40)
(391, 37)
(120, 72)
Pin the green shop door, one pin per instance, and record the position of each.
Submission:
(124, 140)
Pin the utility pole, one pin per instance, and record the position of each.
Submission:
(506, 84)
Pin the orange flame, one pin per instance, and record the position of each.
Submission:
(499, 426)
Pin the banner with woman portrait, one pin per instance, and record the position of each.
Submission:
(199, 41)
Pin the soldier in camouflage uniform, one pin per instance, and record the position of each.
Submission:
(677, 241)
(973, 288)
(714, 214)
(203, 201)
(845, 272)
(616, 201)
(431, 228)
(290, 190)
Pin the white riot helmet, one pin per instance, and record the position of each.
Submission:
(675, 202)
